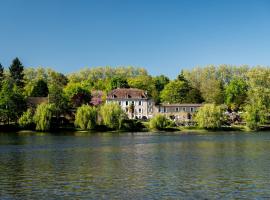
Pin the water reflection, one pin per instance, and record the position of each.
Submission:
(134, 166)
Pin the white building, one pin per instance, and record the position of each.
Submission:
(134, 102)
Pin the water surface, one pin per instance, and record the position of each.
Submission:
(135, 166)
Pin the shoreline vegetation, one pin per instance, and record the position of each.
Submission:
(233, 98)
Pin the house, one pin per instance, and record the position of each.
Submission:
(177, 111)
(33, 102)
(135, 102)
(97, 97)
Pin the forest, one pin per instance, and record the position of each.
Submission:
(244, 90)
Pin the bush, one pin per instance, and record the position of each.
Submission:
(26, 120)
(86, 117)
(112, 115)
(209, 116)
(255, 116)
(43, 116)
(159, 122)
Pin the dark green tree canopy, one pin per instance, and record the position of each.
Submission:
(40, 89)
(16, 72)
(1, 74)
(118, 82)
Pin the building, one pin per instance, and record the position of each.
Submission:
(33, 102)
(182, 112)
(135, 102)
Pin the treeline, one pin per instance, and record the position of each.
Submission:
(237, 88)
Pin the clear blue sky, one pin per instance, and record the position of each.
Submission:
(162, 36)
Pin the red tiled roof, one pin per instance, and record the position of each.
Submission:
(127, 93)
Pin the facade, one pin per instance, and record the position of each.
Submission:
(137, 104)
(134, 102)
(181, 112)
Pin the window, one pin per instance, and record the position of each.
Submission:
(140, 110)
(176, 109)
(191, 109)
(119, 103)
(140, 103)
(165, 109)
(126, 103)
(184, 109)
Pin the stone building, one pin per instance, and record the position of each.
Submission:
(135, 102)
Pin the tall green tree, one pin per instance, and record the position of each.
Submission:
(112, 115)
(12, 102)
(210, 116)
(40, 89)
(43, 116)
(86, 117)
(236, 93)
(16, 72)
(118, 82)
(1, 75)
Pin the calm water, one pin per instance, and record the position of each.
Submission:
(135, 166)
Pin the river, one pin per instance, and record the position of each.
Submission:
(135, 166)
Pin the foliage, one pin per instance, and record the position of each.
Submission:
(118, 82)
(112, 115)
(43, 116)
(40, 89)
(26, 120)
(1, 75)
(159, 122)
(86, 117)
(12, 102)
(16, 72)
(76, 94)
(174, 92)
(255, 115)
(236, 93)
(209, 116)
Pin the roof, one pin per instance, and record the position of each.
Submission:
(181, 105)
(127, 93)
(34, 101)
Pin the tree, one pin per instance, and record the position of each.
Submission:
(86, 117)
(236, 93)
(77, 95)
(255, 115)
(57, 97)
(209, 116)
(159, 122)
(160, 82)
(12, 102)
(26, 120)
(40, 89)
(1, 75)
(175, 92)
(213, 91)
(16, 72)
(112, 115)
(43, 116)
(118, 82)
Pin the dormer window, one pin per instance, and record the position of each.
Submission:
(129, 96)
(114, 96)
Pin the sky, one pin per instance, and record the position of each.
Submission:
(163, 36)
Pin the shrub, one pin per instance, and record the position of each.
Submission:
(209, 116)
(112, 115)
(255, 115)
(86, 117)
(43, 116)
(159, 122)
(26, 120)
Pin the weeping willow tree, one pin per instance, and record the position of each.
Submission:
(159, 122)
(112, 115)
(86, 117)
(43, 116)
(26, 120)
(209, 116)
